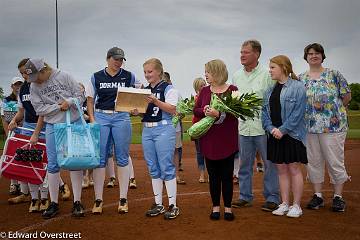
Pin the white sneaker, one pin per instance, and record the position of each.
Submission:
(294, 211)
(282, 210)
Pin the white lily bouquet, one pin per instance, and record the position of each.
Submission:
(183, 107)
(239, 105)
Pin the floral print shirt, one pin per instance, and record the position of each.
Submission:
(325, 112)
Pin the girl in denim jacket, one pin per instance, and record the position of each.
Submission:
(283, 119)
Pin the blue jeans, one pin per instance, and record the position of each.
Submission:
(199, 157)
(53, 166)
(249, 145)
(158, 145)
(115, 130)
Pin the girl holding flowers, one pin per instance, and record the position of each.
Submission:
(283, 118)
(223, 134)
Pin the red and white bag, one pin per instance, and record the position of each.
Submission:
(25, 171)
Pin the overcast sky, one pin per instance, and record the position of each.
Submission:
(184, 35)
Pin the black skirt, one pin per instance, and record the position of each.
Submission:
(286, 150)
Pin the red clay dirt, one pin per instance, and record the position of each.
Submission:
(195, 205)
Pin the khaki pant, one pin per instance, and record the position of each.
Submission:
(178, 143)
(326, 148)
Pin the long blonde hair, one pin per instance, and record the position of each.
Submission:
(285, 64)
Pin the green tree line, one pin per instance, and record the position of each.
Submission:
(355, 96)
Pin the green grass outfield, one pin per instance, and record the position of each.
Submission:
(353, 133)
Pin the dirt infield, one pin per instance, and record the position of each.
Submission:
(195, 205)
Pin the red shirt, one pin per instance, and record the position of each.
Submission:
(221, 140)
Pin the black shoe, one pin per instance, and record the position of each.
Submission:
(15, 189)
(51, 211)
(338, 204)
(229, 216)
(172, 212)
(315, 203)
(155, 209)
(78, 209)
(241, 203)
(269, 206)
(215, 215)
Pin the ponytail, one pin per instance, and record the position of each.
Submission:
(284, 62)
(293, 76)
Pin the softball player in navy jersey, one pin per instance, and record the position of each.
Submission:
(115, 126)
(31, 121)
(158, 138)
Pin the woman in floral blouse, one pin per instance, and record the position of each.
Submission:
(328, 94)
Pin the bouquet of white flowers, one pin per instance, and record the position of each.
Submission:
(241, 106)
(183, 107)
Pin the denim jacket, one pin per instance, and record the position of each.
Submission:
(293, 104)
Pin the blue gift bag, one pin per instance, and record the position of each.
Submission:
(77, 145)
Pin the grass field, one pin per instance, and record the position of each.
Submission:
(353, 133)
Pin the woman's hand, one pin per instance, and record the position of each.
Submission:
(91, 119)
(12, 125)
(276, 133)
(134, 112)
(34, 139)
(152, 99)
(64, 106)
(211, 112)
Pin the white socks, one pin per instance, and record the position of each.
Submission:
(61, 181)
(44, 191)
(157, 185)
(12, 181)
(110, 168)
(34, 191)
(53, 181)
(131, 168)
(99, 177)
(24, 187)
(171, 191)
(76, 179)
(123, 178)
